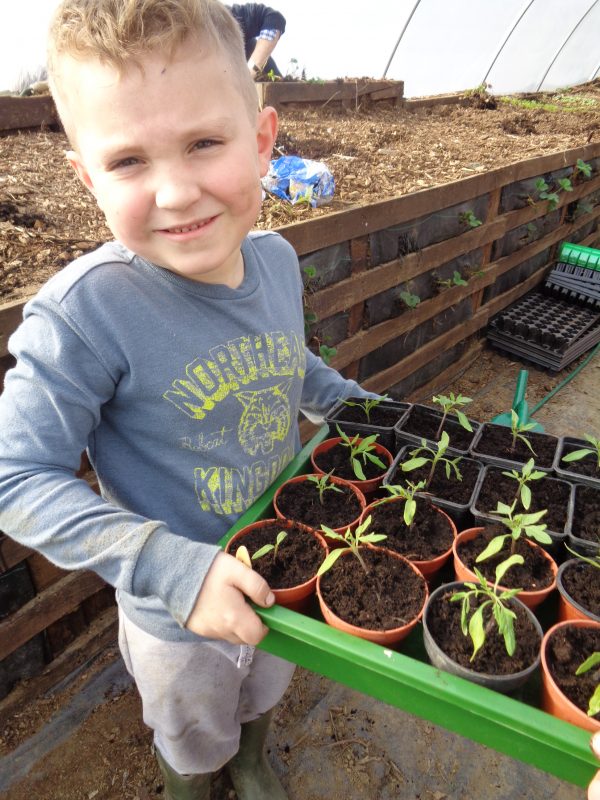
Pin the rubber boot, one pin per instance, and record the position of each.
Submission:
(250, 772)
(183, 787)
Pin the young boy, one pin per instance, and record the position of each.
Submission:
(175, 355)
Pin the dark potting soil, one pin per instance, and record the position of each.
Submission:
(338, 460)
(549, 493)
(379, 416)
(425, 422)
(588, 465)
(534, 574)
(586, 516)
(429, 536)
(300, 501)
(443, 621)
(581, 581)
(566, 650)
(496, 440)
(390, 595)
(298, 558)
(451, 489)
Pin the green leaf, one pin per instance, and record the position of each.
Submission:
(538, 532)
(462, 418)
(525, 496)
(358, 470)
(594, 706)
(330, 560)
(493, 547)
(590, 662)
(413, 463)
(576, 455)
(263, 551)
(376, 460)
(476, 630)
(502, 568)
(410, 508)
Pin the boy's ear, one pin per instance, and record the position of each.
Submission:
(75, 161)
(266, 133)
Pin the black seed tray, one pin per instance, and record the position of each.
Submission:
(545, 330)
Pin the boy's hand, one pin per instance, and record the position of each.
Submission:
(221, 610)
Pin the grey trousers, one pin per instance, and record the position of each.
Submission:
(195, 695)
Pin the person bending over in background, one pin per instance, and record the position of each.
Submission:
(262, 27)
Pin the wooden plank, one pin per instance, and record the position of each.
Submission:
(342, 295)
(429, 351)
(26, 112)
(439, 100)
(101, 634)
(11, 314)
(315, 234)
(45, 608)
(425, 392)
(11, 553)
(281, 92)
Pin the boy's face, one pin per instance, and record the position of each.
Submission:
(173, 157)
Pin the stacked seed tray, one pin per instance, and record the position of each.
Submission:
(576, 276)
(555, 327)
(545, 330)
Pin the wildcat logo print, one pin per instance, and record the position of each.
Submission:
(265, 414)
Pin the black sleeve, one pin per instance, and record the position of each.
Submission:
(255, 17)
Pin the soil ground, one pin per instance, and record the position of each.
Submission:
(86, 740)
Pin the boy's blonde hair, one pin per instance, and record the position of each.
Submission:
(120, 32)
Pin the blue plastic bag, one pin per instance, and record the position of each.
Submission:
(299, 180)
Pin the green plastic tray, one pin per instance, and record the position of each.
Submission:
(580, 256)
(406, 679)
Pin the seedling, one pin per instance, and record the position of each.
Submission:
(468, 218)
(327, 353)
(351, 541)
(455, 280)
(518, 525)
(361, 450)
(594, 450)
(267, 548)
(324, 484)
(523, 478)
(452, 405)
(367, 405)
(545, 193)
(581, 166)
(591, 662)
(408, 493)
(434, 458)
(501, 615)
(518, 429)
(410, 300)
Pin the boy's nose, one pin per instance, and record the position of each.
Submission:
(176, 192)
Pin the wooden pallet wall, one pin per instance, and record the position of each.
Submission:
(362, 259)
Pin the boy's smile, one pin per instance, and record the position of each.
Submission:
(173, 156)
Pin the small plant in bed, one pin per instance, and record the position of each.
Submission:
(368, 410)
(516, 443)
(429, 422)
(584, 460)
(510, 538)
(318, 499)
(284, 558)
(369, 587)
(355, 458)
(452, 405)
(433, 456)
(413, 526)
(481, 628)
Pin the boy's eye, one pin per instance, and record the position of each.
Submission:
(125, 162)
(204, 143)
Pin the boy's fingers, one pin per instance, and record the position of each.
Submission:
(254, 587)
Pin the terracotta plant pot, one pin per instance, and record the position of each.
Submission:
(338, 481)
(296, 598)
(428, 568)
(367, 487)
(389, 636)
(531, 599)
(437, 656)
(553, 700)
(568, 608)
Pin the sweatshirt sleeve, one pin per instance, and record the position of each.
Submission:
(51, 404)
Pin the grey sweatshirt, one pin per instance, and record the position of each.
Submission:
(186, 396)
